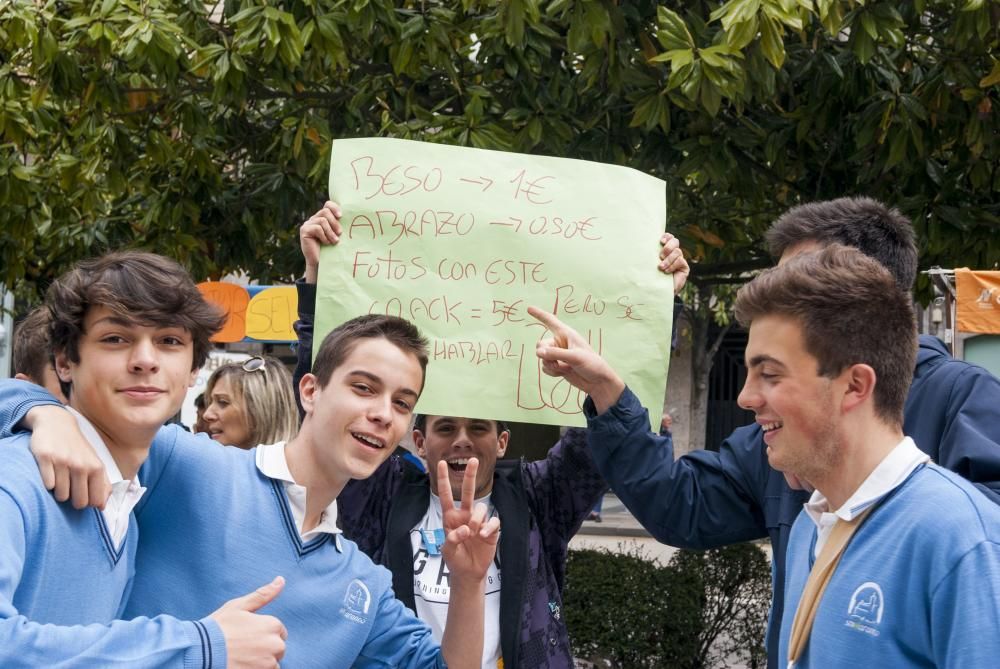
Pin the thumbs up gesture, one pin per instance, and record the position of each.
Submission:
(253, 641)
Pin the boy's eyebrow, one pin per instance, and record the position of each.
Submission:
(375, 379)
(128, 323)
(115, 320)
(758, 360)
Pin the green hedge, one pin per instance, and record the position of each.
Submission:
(703, 609)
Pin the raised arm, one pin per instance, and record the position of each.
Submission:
(321, 228)
(470, 546)
(702, 500)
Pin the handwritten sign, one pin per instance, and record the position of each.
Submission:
(461, 241)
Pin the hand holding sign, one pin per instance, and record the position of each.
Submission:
(320, 229)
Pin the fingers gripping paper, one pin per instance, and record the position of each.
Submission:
(461, 241)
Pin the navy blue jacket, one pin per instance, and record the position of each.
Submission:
(708, 499)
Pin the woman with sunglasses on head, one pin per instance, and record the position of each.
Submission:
(251, 403)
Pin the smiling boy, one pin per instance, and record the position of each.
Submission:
(395, 515)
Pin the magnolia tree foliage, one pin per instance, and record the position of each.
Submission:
(203, 130)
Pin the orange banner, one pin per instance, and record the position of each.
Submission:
(978, 301)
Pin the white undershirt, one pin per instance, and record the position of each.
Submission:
(895, 468)
(271, 462)
(431, 589)
(124, 494)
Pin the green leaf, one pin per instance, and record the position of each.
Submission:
(897, 148)
(513, 13)
(831, 60)
(771, 43)
(868, 23)
(864, 47)
(673, 32)
(993, 78)
(741, 34)
(710, 98)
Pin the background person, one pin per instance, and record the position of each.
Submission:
(32, 355)
(250, 403)
(199, 416)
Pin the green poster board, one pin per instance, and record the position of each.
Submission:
(461, 241)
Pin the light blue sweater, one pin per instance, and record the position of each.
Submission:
(918, 586)
(214, 527)
(63, 583)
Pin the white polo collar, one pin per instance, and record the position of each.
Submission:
(125, 494)
(271, 462)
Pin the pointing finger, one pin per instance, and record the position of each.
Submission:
(560, 331)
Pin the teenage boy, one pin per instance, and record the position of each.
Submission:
(216, 518)
(707, 499)
(394, 514)
(871, 566)
(129, 332)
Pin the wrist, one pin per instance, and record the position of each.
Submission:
(43, 414)
(473, 583)
(606, 393)
(312, 273)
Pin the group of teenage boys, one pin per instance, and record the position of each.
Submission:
(831, 356)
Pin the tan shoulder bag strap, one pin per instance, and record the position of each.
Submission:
(821, 573)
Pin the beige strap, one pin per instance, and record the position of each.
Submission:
(820, 575)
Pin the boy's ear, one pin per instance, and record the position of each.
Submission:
(860, 380)
(62, 365)
(308, 386)
(502, 443)
(418, 441)
(21, 376)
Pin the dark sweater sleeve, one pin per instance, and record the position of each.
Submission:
(304, 331)
(564, 487)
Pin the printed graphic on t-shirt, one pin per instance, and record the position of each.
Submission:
(431, 579)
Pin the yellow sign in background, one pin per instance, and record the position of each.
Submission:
(461, 241)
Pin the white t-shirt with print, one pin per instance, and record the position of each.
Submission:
(431, 588)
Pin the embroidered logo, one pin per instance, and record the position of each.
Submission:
(864, 612)
(357, 601)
